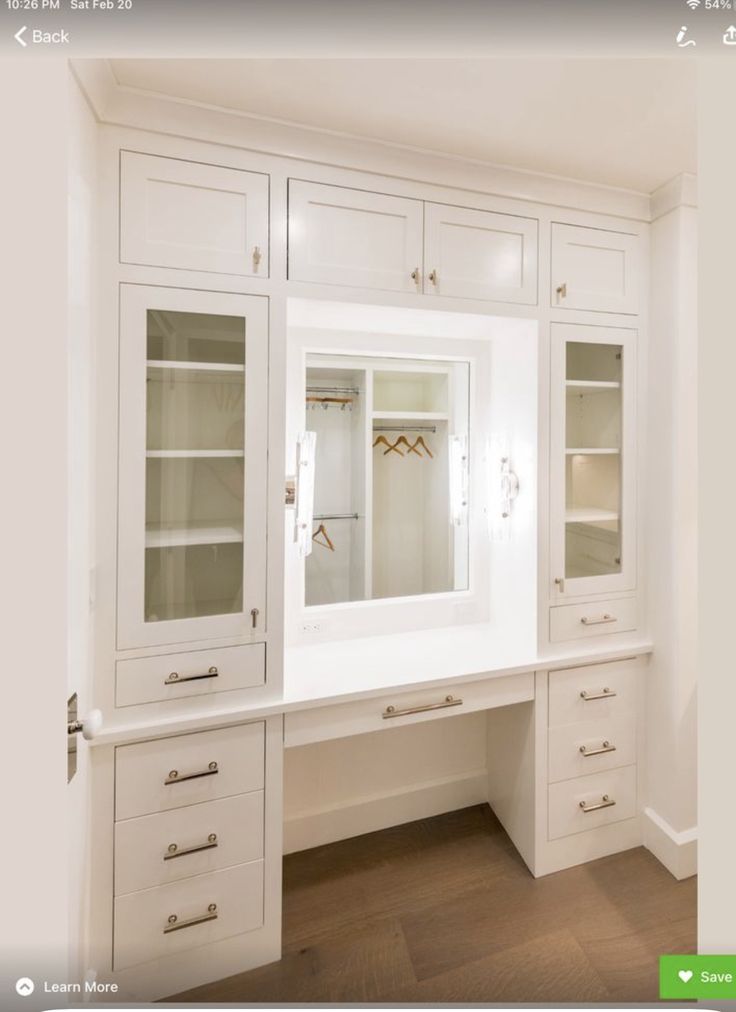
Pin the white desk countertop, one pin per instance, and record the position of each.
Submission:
(341, 671)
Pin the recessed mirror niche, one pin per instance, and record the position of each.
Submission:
(391, 477)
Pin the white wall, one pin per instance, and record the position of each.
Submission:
(671, 503)
(33, 507)
(83, 287)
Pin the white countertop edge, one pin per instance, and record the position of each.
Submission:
(182, 723)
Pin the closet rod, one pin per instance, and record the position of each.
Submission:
(333, 390)
(404, 428)
(337, 516)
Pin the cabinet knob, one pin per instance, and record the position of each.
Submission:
(416, 276)
(560, 582)
(433, 277)
(257, 257)
(254, 613)
(562, 290)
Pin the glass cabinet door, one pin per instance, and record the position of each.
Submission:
(192, 518)
(592, 465)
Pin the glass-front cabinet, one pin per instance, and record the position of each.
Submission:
(192, 466)
(592, 466)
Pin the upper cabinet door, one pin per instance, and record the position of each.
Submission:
(594, 269)
(339, 236)
(192, 466)
(193, 216)
(480, 255)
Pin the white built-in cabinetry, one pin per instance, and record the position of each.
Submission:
(191, 854)
(192, 459)
(342, 236)
(192, 216)
(595, 269)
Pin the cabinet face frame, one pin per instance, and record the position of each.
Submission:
(569, 292)
(408, 210)
(561, 335)
(132, 630)
(138, 170)
(441, 279)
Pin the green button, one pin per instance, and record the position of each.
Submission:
(690, 977)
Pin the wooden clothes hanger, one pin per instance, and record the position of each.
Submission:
(402, 440)
(382, 439)
(327, 543)
(420, 442)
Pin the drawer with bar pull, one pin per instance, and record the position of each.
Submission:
(579, 621)
(192, 673)
(156, 776)
(155, 849)
(596, 692)
(591, 746)
(397, 709)
(154, 923)
(585, 803)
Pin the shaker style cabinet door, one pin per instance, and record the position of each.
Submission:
(594, 269)
(480, 255)
(593, 466)
(340, 236)
(193, 216)
(192, 466)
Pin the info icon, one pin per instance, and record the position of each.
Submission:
(24, 986)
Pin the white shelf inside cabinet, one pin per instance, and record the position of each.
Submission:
(591, 386)
(590, 450)
(589, 515)
(196, 366)
(194, 453)
(195, 533)
(411, 416)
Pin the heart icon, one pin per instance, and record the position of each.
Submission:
(685, 975)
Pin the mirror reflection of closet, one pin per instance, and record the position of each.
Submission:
(391, 477)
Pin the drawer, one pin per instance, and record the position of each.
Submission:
(576, 750)
(400, 708)
(596, 692)
(601, 618)
(156, 776)
(196, 673)
(193, 216)
(156, 923)
(614, 791)
(155, 849)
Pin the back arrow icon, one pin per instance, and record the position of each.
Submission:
(18, 34)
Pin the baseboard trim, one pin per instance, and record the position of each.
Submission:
(678, 852)
(368, 814)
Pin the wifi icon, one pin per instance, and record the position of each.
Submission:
(692, 4)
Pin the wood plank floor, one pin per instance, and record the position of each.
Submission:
(444, 910)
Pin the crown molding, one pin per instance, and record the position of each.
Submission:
(681, 191)
(116, 105)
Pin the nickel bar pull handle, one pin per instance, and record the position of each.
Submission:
(391, 711)
(175, 777)
(174, 850)
(174, 678)
(605, 802)
(602, 620)
(605, 694)
(605, 747)
(174, 924)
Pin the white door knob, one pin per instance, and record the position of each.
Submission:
(90, 726)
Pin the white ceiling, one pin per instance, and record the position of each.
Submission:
(625, 123)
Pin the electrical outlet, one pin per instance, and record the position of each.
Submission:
(311, 627)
